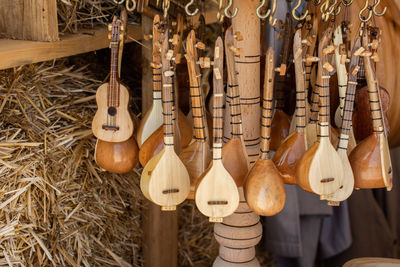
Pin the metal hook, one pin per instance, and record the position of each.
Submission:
(119, 2)
(347, 2)
(317, 2)
(272, 20)
(130, 7)
(228, 14)
(332, 8)
(188, 11)
(294, 12)
(258, 11)
(325, 10)
(166, 4)
(220, 15)
(375, 6)
(367, 6)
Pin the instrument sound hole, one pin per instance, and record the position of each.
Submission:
(170, 191)
(112, 111)
(327, 180)
(221, 202)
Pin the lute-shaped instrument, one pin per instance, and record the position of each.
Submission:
(370, 159)
(320, 169)
(293, 148)
(217, 195)
(165, 180)
(112, 121)
(264, 189)
(345, 131)
(234, 155)
(281, 121)
(197, 156)
(152, 120)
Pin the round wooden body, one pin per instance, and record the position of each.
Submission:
(122, 119)
(118, 157)
(235, 160)
(279, 128)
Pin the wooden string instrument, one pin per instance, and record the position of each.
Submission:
(264, 189)
(281, 121)
(196, 156)
(293, 148)
(370, 159)
(117, 157)
(112, 121)
(234, 155)
(217, 195)
(152, 120)
(320, 169)
(155, 142)
(165, 180)
(345, 131)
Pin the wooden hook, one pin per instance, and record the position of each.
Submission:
(294, 12)
(227, 12)
(187, 10)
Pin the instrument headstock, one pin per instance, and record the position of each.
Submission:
(116, 31)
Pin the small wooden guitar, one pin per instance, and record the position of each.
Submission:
(197, 156)
(320, 169)
(293, 148)
(112, 121)
(345, 131)
(217, 195)
(370, 159)
(264, 189)
(165, 180)
(234, 155)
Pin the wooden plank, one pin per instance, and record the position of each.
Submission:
(160, 228)
(19, 52)
(34, 20)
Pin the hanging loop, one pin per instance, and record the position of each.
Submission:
(294, 12)
(374, 9)
(227, 12)
(187, 10)
(258, 11)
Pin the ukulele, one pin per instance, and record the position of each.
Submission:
(234, 155)
(112, 121)
(165, 180)
(345, 131)
(293, 148)
(117, 157)
(197, 156)
(370, 159)
(217, 195)
(264, 189)
(320, 169)
(281, 121)
(152, 120)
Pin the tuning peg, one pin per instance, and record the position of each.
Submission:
(169, 54)
(355, 70)
(359, 51)
(109, 36)
(235, 50)
(311, 59)
(175, 39)
(109, 27)
(374, 45)
(238, 36)
(168, 73)
(200, 45)
(122, 27)
(178, 58)
(147, 37)
(366, 54)
(281, 69)
(329, 49)
(306, 42)
(205, 62)
(328, 67)
(121, 36)
(155, 65)
(375, 57)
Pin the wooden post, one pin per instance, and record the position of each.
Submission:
(34, 20)
(160, 245)
(241, 231)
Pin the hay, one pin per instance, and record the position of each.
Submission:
(56, 206)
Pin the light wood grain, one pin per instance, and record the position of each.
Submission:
(29, 20)
(122, 118)
(27, 52)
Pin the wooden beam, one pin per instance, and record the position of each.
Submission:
(20, 52)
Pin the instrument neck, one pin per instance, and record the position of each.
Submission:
(113, 86)
(218, 121)
(324, 116)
